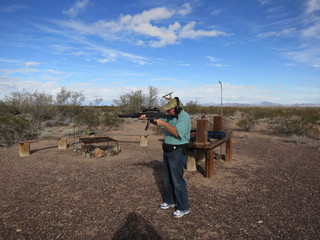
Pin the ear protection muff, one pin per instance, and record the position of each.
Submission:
(178, 108)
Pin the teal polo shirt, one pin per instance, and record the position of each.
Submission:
(183, 127)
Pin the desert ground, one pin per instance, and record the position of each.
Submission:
(270, 190)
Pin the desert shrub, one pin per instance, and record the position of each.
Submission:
(135, 100)
(69, 103)
(293, 125)
(262, 112)
(229, 111)
(5, 108)
(210, 110)
(311, 115)
(247, 122)
(111, 119)
(38, 105)
(89, 116)
(192, 107)
(14, 128)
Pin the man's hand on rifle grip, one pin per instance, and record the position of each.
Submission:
(143, 117)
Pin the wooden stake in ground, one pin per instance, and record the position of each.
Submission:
(144, 141)
(24, 149)
(62, 143)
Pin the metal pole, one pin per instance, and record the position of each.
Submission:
(221, 115)
(221, 97)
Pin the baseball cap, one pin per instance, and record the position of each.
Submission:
(171, 104)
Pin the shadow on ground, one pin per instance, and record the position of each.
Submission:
(136, 227)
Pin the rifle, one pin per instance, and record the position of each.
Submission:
(151, 113)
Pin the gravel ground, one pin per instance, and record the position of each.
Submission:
(269, 191)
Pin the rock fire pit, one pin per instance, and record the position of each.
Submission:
(98, 147)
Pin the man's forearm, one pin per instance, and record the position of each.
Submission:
(171, 129)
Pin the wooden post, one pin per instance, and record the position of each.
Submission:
(202, 131)
(191, 164)
(62, 143)
(24, 149)
(217, 123)
(209, 164)
(229, 150)
(143, 141)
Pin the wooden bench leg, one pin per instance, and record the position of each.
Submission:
(24, 149)
(209, 164)
(143, 141)
(191, 164)
(229, 150)
(62, 143)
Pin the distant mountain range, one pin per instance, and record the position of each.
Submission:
(262, 104)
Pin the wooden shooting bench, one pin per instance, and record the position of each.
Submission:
(204, 144)
(207, 149)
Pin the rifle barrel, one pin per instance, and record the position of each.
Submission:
(148, 115)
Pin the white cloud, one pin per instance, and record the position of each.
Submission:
(263, 2)
(306, 37)
(309, 50)
(283, 33)
(312, 6)
(185, 9)
(7, 85)
(147, 25)
(188, 32)
(218, 65)
(312, 31)
(20, 70)
(54, 71)
(108, 54)
(213, 63)
(30, 64)
(135, 59)
(28, 70)
(10, 84)
(309, 56)
(106, 60)
(217, 12)
(76, 8)
(212, 59)
(11, 9)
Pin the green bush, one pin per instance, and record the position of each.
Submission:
(111, 119)
(293, 125)
(89, 116)
(15, 128)
(192, 107)
(247, 122)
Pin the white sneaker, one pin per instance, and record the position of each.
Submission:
(166, 205)
(179, 213)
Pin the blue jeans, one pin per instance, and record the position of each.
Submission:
(175, 187)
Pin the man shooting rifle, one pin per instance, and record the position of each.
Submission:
(177, 136)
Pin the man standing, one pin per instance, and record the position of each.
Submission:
(175, 157)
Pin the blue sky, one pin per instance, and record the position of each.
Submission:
(261, 50)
